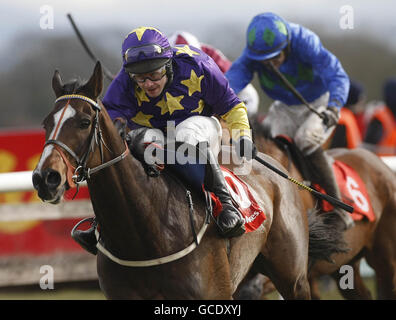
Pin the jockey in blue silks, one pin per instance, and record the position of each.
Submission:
(159, 83)
(316, 74)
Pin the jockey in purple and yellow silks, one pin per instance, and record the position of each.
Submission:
(194, 86)
(316, 74)
(159, 83)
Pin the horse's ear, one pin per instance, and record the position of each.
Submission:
(57, 84)
(94, 85)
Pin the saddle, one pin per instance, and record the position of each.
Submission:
(352, 188)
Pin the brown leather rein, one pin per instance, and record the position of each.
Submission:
(80, 173)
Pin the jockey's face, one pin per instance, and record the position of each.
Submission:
(277, 60)
(152, 83)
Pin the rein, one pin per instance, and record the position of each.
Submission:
(80, 173)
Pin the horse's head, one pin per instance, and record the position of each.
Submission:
(70, 130)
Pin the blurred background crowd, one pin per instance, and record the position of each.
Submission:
(33, 46)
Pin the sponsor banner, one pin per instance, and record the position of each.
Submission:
(20, 150)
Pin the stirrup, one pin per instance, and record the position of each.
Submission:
(86, 239)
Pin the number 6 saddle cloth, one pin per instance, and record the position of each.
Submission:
(352, 188)
(353, 192)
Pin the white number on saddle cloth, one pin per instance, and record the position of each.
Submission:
(241, 197)
(356, 195)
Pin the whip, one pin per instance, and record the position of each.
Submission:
(316, 193)
(106, 71)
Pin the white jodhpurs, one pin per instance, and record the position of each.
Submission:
(251, 99)
(298, 122)
(193, 130)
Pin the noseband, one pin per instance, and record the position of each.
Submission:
(80, 173)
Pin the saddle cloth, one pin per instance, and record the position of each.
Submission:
(352, 188)
(353, 192)
(243, 200)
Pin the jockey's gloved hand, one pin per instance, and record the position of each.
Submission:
(331, 116)
(137, 146)
(121, 126)
(246, 148)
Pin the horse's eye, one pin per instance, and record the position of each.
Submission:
(84, 124)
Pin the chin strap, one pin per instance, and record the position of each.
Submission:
(169, 74)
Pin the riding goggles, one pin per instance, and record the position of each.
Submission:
(152, 76)
(133, 54)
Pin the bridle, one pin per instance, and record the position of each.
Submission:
(79, 173)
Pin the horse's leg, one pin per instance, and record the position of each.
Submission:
(358, 291)
(285, 256)
(255, 286)
(315, 292)
(287, 280)
(251, 288)
(382, 255)
(385, 276)
(268, 287)
(216, 271)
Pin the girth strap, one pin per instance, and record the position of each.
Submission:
(162, 260)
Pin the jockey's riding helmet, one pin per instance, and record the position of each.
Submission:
(267, 35)
(144, 50)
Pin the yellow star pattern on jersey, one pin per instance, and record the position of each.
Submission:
(186, 49)
(163, 106)
(140, 31)
(173, 103)
(194, 83)
(141, 96)
(143, 119)
(201, 105)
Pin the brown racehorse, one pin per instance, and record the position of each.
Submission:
(375, 241)
(144, 220)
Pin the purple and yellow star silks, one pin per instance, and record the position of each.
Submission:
(140, 31)
(142, 119)
(141, 96)
(186, 49)
(170, 104)
(198, 88)
(193, 83)
(201, 105)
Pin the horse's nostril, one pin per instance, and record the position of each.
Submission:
(53, 179)
(36, 180)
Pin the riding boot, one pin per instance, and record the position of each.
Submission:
(86, 239)
(322, 164)
(229, 221)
